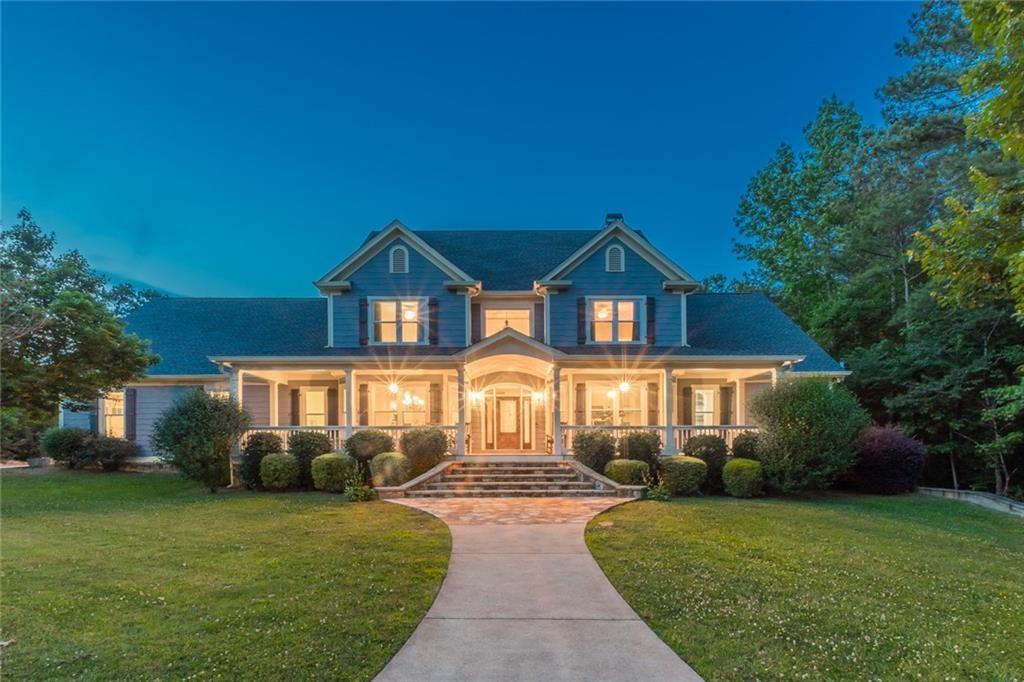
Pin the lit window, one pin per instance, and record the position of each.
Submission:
(397, 322)
(399, 260)
(615, 260)
(615, 321)
(316, 407)
(113, 415)
(496, 320)
(399, 404)
(612, 406)
(704, 406)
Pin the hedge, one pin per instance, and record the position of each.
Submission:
(279, 471)
(389, 469)
(743, 477)
(683, 475)
(332, 472)
(627, 471)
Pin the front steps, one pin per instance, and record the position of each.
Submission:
(514, 479)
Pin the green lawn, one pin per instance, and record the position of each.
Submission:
(130, 576)
(841, 587)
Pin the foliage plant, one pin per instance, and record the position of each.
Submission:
(744, 445)
(356, 489)
(389, 469)
(331, 471)
(109, 453)
(305, 446)
(888, 461)
(196, 433)
(257, 446)
(67, 445)
(366, 444)
(683, 475)
(19, 437)
(593, 449)
(743, 477)
(627, 471)
(644, 446)
(279, 471)
(809, 429)
(425, 448)
(713, 451)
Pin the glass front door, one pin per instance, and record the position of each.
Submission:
(508, 423)
(508, 419)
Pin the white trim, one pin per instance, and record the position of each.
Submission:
(391, 260)
(640, 303)
(608, 258)
(505, 334)
(684, 339)
(423, 320)
(469, 319)
(547, 316)
(330, 320)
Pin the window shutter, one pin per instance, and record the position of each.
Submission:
(364, 404)
(615, 259)
(581, 404)
(538, 321)
(581, 321)
(476, 328)
(364, 317)
(725, 395)
(296, 418)
(435, 404)
(650, 320)
(130, 397)
(432, 313)
(687, 405)
(652, 403)
(332, 406)
(94, 416)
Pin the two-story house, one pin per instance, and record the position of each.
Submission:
(511, 341)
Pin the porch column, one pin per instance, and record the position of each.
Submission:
(741, 402)
(775, 376)
(556, 412)
(667, 388)
(460, 424)
(349, 380)
(275, 408)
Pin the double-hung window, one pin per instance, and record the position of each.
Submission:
(398, 320)
(615, 320)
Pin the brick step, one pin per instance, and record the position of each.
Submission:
(509, 470)
(505, 476)
(512, 493)
(533, 465)
(496, 485)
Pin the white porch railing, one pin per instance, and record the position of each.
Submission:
(727, 433)
(336, 434)
(680, 434)
(569, 431)
(396, 432)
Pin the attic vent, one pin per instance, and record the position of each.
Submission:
(614, 259)
(399, 260)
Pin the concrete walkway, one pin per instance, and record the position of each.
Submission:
(524, 600)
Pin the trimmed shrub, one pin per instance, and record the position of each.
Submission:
(67, 445)
(332, 471)
(109, 452)
(306, 446)
(743, 477)
(425, 449)
(389, 468)
(683, 475)
(257, 446)
(627, 471)
(744, 445)
(644, 446)
(365, 445)
(888, 461)
(809, 428)
(593, 449)
(279, 471)
(714, 452)
(195, 434)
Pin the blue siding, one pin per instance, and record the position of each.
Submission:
(423, 279)
(640, 279)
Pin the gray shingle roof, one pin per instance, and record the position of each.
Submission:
(186, 331)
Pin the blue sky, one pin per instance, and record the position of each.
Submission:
(235, 149)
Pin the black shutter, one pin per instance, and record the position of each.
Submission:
(581, 404)
(475, 323)
(688, 406)
(652, 403)
(295, 407)
(725, 395)
(94, 416)
(332, 406)
(435, 403)
(581, 321)
(130, 397)
(650, 321)
(432, 313)
(364, 319)
(364, 404)
(538, 321)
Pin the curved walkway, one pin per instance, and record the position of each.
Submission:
(524, 600)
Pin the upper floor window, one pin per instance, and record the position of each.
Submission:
(398, 320)
(615, 320)
(615, 259)
(399, 260)
(497, 319)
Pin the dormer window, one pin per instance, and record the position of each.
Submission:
(614, 259)
(614, 320)
(399, 260)
(398, 320)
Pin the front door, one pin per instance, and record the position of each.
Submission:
(508, 423)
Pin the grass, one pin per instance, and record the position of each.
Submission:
(129, 576)
(841, 587)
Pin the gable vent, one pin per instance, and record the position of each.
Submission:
(399, 260)
(615, 260)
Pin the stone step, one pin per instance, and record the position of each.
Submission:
(509, 470)
(505, 476)
(511, 493)
(535, 465)
(497, 485)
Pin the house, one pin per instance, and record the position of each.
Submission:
(511, 341)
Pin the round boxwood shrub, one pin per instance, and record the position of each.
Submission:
(425, 449)
(279, 471)
(367, 444)
(743, 477)
(109, 453)
(332, 472)
(257, 446)
(888, 461)
(67, 445)
(305, 446)
(593, 449)
(644, 446)
(744, 445)
(389, 468)
(683, 475)
(714, 452)
(627, 471)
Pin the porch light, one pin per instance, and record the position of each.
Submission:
(538, 396)
(476, 396)
(612, 394)
(624, 387)
(393, 387)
